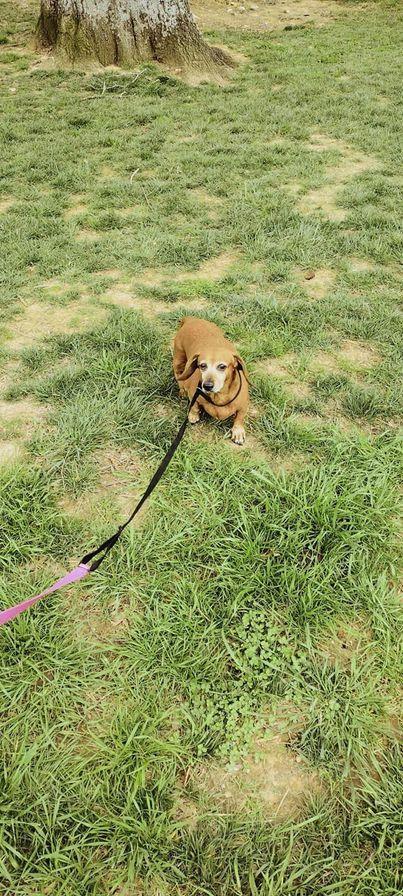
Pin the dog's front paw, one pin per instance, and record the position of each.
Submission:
(194, 416)
(238, 435)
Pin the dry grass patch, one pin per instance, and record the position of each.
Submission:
(212, 203)
(361, 265)
(40, 320)
(88, 235)
(122, 295)
(272, 778)
(10, 451)
(214, 269)
(351, 164)
(316, 284)
(112, 273)
(358, 354)
(20, 416)
(262, 16)
(6, 203)
(76, 207)
(107, 172)
(284, 369)
(345, 641)
(350, 356)
(118, 488)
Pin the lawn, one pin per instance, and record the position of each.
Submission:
(217, 710)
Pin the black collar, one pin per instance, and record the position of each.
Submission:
(207, 397)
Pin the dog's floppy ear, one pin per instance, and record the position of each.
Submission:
(240, 365)
(189, 369)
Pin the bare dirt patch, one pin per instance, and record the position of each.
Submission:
(123, 296)
(351, 164)
(40, 320)
(112, 273)
(88, 235)
(317, 284)
(358, 354)
(22, 413)
(108, 172)
(293, 187)
(361, 265)
(120, 478)
(9, 452)
(5, 204)
(205, 197)
(55, 287)
(324, 362)
(127, 211)
(76, 207)
(211, 203)
(284, 369)
(186, 812)
(260, 15)
(273, 777)
(351, 355)
(119, 487)
(345, 641)
(333, 413)
(214, 269)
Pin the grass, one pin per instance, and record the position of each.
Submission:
(257, 598)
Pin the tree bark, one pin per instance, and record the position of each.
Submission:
(124, 32)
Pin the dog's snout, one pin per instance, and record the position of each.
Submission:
(208, 385)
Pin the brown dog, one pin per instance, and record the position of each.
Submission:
(203, 355)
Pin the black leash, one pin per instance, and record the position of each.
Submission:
(107, 545)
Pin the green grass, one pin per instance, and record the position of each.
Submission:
(235, 595)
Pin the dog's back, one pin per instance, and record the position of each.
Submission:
(196, 329)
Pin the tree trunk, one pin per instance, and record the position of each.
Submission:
(124, 32)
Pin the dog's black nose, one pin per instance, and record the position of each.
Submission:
(208, 386)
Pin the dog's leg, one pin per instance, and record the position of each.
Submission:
(194, 414)
(238, 434)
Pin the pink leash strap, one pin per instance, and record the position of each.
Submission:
(74, 576)
(103, 550)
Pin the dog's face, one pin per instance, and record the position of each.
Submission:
(216, 371)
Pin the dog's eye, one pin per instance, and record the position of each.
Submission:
(222, 366)
(203, 366)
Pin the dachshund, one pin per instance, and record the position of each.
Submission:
(204, 357)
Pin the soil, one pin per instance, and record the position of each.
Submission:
(262, 15)
(77, 207)
(214, 269)
(351, 164)
(349, 354)
(40, 320)
(9, 452)
(123, 296)
(317, 286)
(272, 777)
(5, 204)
